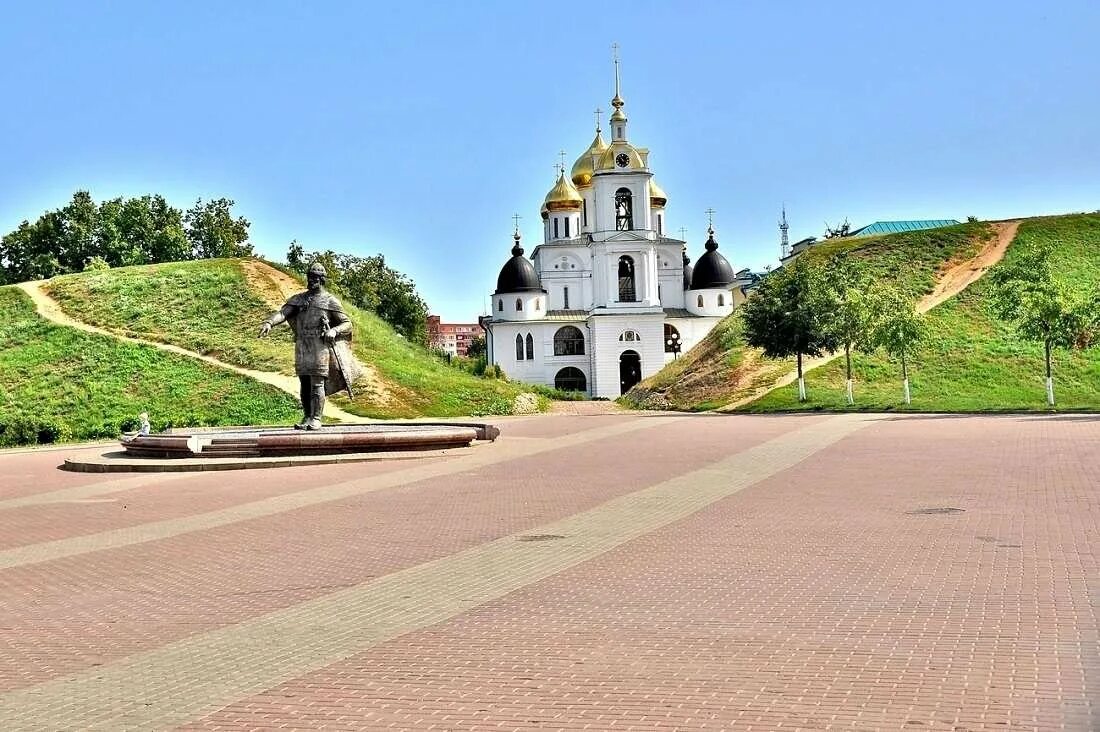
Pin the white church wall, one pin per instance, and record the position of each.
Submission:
(531, 306)
(607, 349)
(716, 302)
(672, 289)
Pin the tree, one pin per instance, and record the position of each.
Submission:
(476, 348)
(899, 330)
(790, 314)
(1043, 308)
(856, 309)
(295, 256)
(120, 231)
(839, 231)
(213, 232)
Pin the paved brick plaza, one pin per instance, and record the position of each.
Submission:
(585, 572)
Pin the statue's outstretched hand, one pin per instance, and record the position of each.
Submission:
(265, 329)
(330, 336)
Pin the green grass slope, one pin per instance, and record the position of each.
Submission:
(973, 362)
(722, 369)
(60, 383)
(214, 307)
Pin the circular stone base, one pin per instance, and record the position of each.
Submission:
(276, 447)
(117, 461)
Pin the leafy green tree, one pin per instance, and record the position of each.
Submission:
(899, 330)
(295, 256)
(213, 232)
(853, 319)
(75, 241)
(121, 231)
(1042, 307)
(790, 314)
(476, 347)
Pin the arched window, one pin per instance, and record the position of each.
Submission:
(570, 379)
(519, 347)
(519, 304)
(626, 279)
(565, 298)
(566, 227)
(721, 299)
(568, 341)
(624, 210)
(699, 301)
(659, 230)
(584, 211)
(672, 339)
(500, 306)
(530, 347)
(630, 336)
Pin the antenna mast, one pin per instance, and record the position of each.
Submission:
(784, 242)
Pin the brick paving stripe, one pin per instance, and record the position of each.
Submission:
(183, 680)
(476, 457)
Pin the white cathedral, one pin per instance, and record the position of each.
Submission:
(607, 298)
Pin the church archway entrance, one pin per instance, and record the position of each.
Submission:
(630, 370)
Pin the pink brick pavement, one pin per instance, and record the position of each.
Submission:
(172, 498)
(814, 599)
(161, 591)
(27, 472)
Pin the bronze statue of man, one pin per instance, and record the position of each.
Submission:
(317, 320)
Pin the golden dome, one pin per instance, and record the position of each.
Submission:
(563, 196)
(657, 197)
(610, 158)
(582, 169)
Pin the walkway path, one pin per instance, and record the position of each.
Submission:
(619, 571)
(49, 309)
(951, 282)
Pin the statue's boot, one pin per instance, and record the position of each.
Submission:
(318, 404)
(306, 394)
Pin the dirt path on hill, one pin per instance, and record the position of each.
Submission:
(273, 286)
(956, 278)
(48, 308)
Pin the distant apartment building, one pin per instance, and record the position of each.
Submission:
(454, 338)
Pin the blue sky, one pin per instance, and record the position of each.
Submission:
(418, 129)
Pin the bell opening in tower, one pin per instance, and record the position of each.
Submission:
(626, 280)
(624, 210)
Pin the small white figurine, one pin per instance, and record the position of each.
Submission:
(144, 429)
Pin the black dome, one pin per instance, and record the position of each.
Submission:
(687, 271)
(518, 274)
(711, 270)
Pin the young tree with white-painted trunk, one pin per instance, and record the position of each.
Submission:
(1042, 307)
(790, 314)
(899, 330)
(856, 309)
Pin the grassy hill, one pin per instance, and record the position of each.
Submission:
(972, 361)
(215, 307)
(59, 383)
(722, 369)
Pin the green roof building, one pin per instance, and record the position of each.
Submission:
(893, 227)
